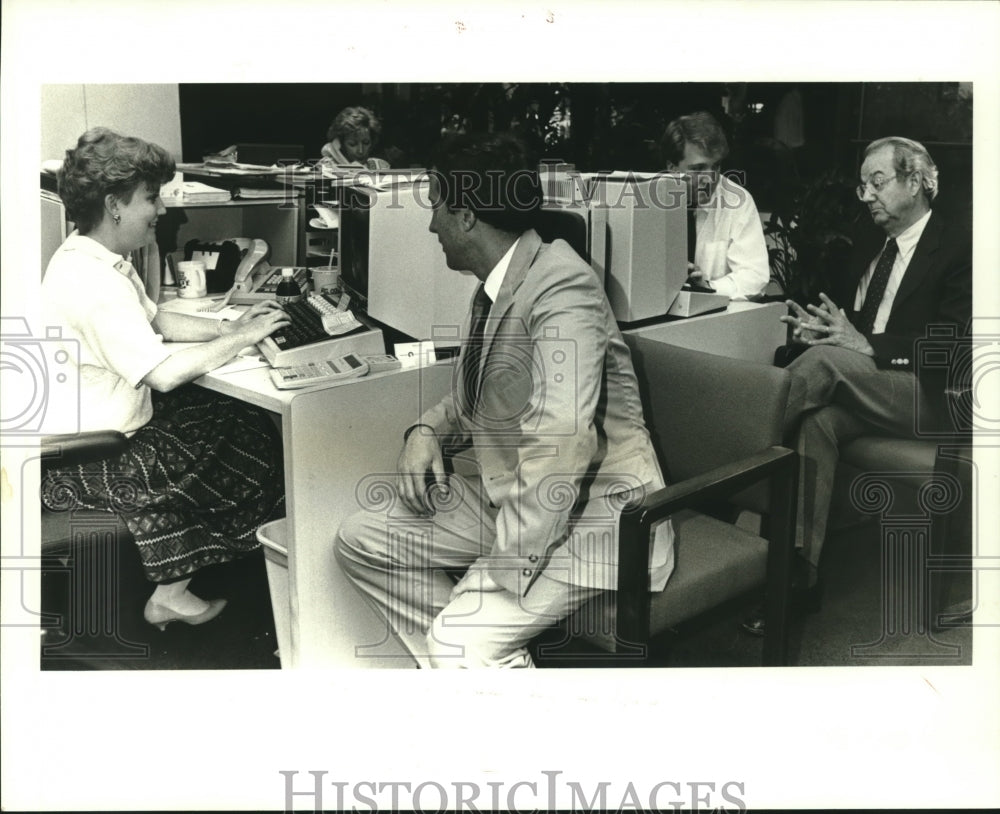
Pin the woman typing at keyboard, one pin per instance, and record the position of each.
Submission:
(201, 471)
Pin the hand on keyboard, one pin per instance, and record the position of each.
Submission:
(313, 319)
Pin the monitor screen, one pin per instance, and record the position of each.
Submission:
(354, 239)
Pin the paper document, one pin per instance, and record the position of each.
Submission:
(193, 306)
(240, 363)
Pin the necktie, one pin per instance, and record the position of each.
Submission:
(876, 287)
(474, 346)
(692, 233)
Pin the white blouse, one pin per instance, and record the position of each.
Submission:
(98, 301)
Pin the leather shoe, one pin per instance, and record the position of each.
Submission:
(161, 616)
(801, 601)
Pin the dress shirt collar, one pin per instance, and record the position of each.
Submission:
(496, 277)
(906, 241)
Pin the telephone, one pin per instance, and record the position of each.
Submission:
(256, 279)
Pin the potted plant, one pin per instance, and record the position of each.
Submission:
(809, 234)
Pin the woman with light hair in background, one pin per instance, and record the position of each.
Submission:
(351, 136)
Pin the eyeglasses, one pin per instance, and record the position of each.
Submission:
(876, 183)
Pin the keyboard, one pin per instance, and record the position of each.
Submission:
(319, 330)
(698, 289)
(314, 318)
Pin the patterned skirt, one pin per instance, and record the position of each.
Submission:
(193, 487)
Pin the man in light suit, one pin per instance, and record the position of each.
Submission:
(857, 376)
(545, 394)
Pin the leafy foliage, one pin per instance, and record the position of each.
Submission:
(809, 232)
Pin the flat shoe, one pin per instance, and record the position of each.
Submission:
(161, 616)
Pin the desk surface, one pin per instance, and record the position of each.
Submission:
(254, 386)
(745, 330)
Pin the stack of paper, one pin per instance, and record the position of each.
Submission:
(197, 192)
(253, 193)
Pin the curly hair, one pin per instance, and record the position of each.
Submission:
(106, 163)
(700, 129)
(352, 120)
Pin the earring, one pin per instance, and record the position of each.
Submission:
(117, 219)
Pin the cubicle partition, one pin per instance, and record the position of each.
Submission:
(341, 443)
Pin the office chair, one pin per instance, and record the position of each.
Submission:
(920, 492)
(717, 425)
(87, 545)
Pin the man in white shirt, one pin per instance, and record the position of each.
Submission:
(857, 376)
(729, 255)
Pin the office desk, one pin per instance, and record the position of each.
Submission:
(340, 446)
(341, 443)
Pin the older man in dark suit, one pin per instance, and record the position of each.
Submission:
(858, 374)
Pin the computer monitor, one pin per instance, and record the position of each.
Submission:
(393, 267)
(638, 240)
(566, 221)
(395, 271)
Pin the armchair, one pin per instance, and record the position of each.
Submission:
(920, 491)
(717, 425)
(58, 451)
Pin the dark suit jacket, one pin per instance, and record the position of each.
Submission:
(936, 291)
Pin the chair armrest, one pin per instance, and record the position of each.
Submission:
(779, 464)
(719, 482)
(81, 448)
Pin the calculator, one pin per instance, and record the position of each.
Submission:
(382, 363)
(312, 373)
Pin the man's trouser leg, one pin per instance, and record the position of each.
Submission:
(493, 628)
(843, 395)
(398, 560)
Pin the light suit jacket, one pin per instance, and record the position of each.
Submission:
(558, 432)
